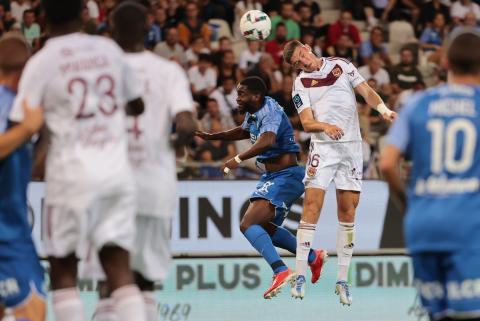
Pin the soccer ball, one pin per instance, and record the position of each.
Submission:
(255, 25)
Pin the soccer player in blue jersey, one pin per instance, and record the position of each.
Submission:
(21, 275)
(271, 134)
(439, 131)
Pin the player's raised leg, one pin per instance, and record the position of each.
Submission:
(261, 212)
(347, 202)
(312, 206)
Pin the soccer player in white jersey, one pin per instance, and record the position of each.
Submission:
(83, 83)
(167, 98)
(324, 98)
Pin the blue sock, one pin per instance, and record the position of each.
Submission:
(283, 239)
(261, 241)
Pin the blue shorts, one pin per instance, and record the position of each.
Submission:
(282, 189)
(21, 277)
(449, 283)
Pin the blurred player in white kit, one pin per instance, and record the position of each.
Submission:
(83, 83)
(324, 98)
(167, 98)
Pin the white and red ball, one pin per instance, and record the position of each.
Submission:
(255, 25)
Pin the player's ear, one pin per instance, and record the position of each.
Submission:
(308, 48)
(444, 63)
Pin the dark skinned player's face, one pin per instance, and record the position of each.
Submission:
(245, 100)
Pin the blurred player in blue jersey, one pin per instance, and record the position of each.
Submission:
(439, 131)
(21, 275)
(271, 134)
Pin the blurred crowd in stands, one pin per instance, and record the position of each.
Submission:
(396, 45)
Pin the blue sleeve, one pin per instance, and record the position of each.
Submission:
(424, 38)
(399, 134)
(271, 122)
(245, 122)
(5, 107)
(365, 50)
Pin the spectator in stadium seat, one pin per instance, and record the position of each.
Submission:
(265, 70)
(211, 10)
(171, 48)
(405, 74)
(5, 4)
(161, 20)
(313, 6)
(197, 47)
(250, 56)
(286, 16)
(432, 37)
(470, 21)
(154, 33)
(31, 29)
(344, 48)
(213, 114)
(275, 47)
(203, 79)
(374, 45)
(224, 44)
(429, 10)
(343, 26)
(374, 70)
(305, 18)
(193, 26)
(460, 8)
(226, 96)
(401, 9)
(18, 7)
(228, 67)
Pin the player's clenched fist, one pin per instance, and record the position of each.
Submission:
(332, 131)
(389, 116)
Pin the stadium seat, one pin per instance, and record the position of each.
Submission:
(220, 28)
(400, 33)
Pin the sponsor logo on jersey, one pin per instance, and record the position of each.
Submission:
(265, 187)
(311, 171)
(297, 101)
(337, 71)
(352, 73)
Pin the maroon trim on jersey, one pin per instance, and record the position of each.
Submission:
(331, 78)
(338, 58)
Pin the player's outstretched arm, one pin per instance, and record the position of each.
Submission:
(19, 134)
(135, 107)
(237, 133)
(310, 125)
(374, 100)
(389, 161)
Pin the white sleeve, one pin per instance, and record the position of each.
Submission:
(179, 92)
(242, 63)
(93, 10)
(132, 87)
(32, 86)
(300, 96)
(212, 78)
(353, 75)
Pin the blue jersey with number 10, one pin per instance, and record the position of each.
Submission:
(440, 131)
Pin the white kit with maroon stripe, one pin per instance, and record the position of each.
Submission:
(83, 84)
(166, 92)
(329, 93)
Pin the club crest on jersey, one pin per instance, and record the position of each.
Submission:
(337, 71)
(297, 101)
(311, 171)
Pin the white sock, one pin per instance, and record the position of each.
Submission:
(151, 305)
(105, 311)
(345, 244)
(129, 304)
(67, 305)
(305, 235)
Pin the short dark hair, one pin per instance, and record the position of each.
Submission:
(129, 23)
(463, 53)
(289, 49)
(255, 85)
(14, 53)
(280, 24)
(62, 11)
(205, 57)
(25, 12)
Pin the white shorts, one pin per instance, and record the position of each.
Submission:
(151, 255)
(106, 220)
(340, 162)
